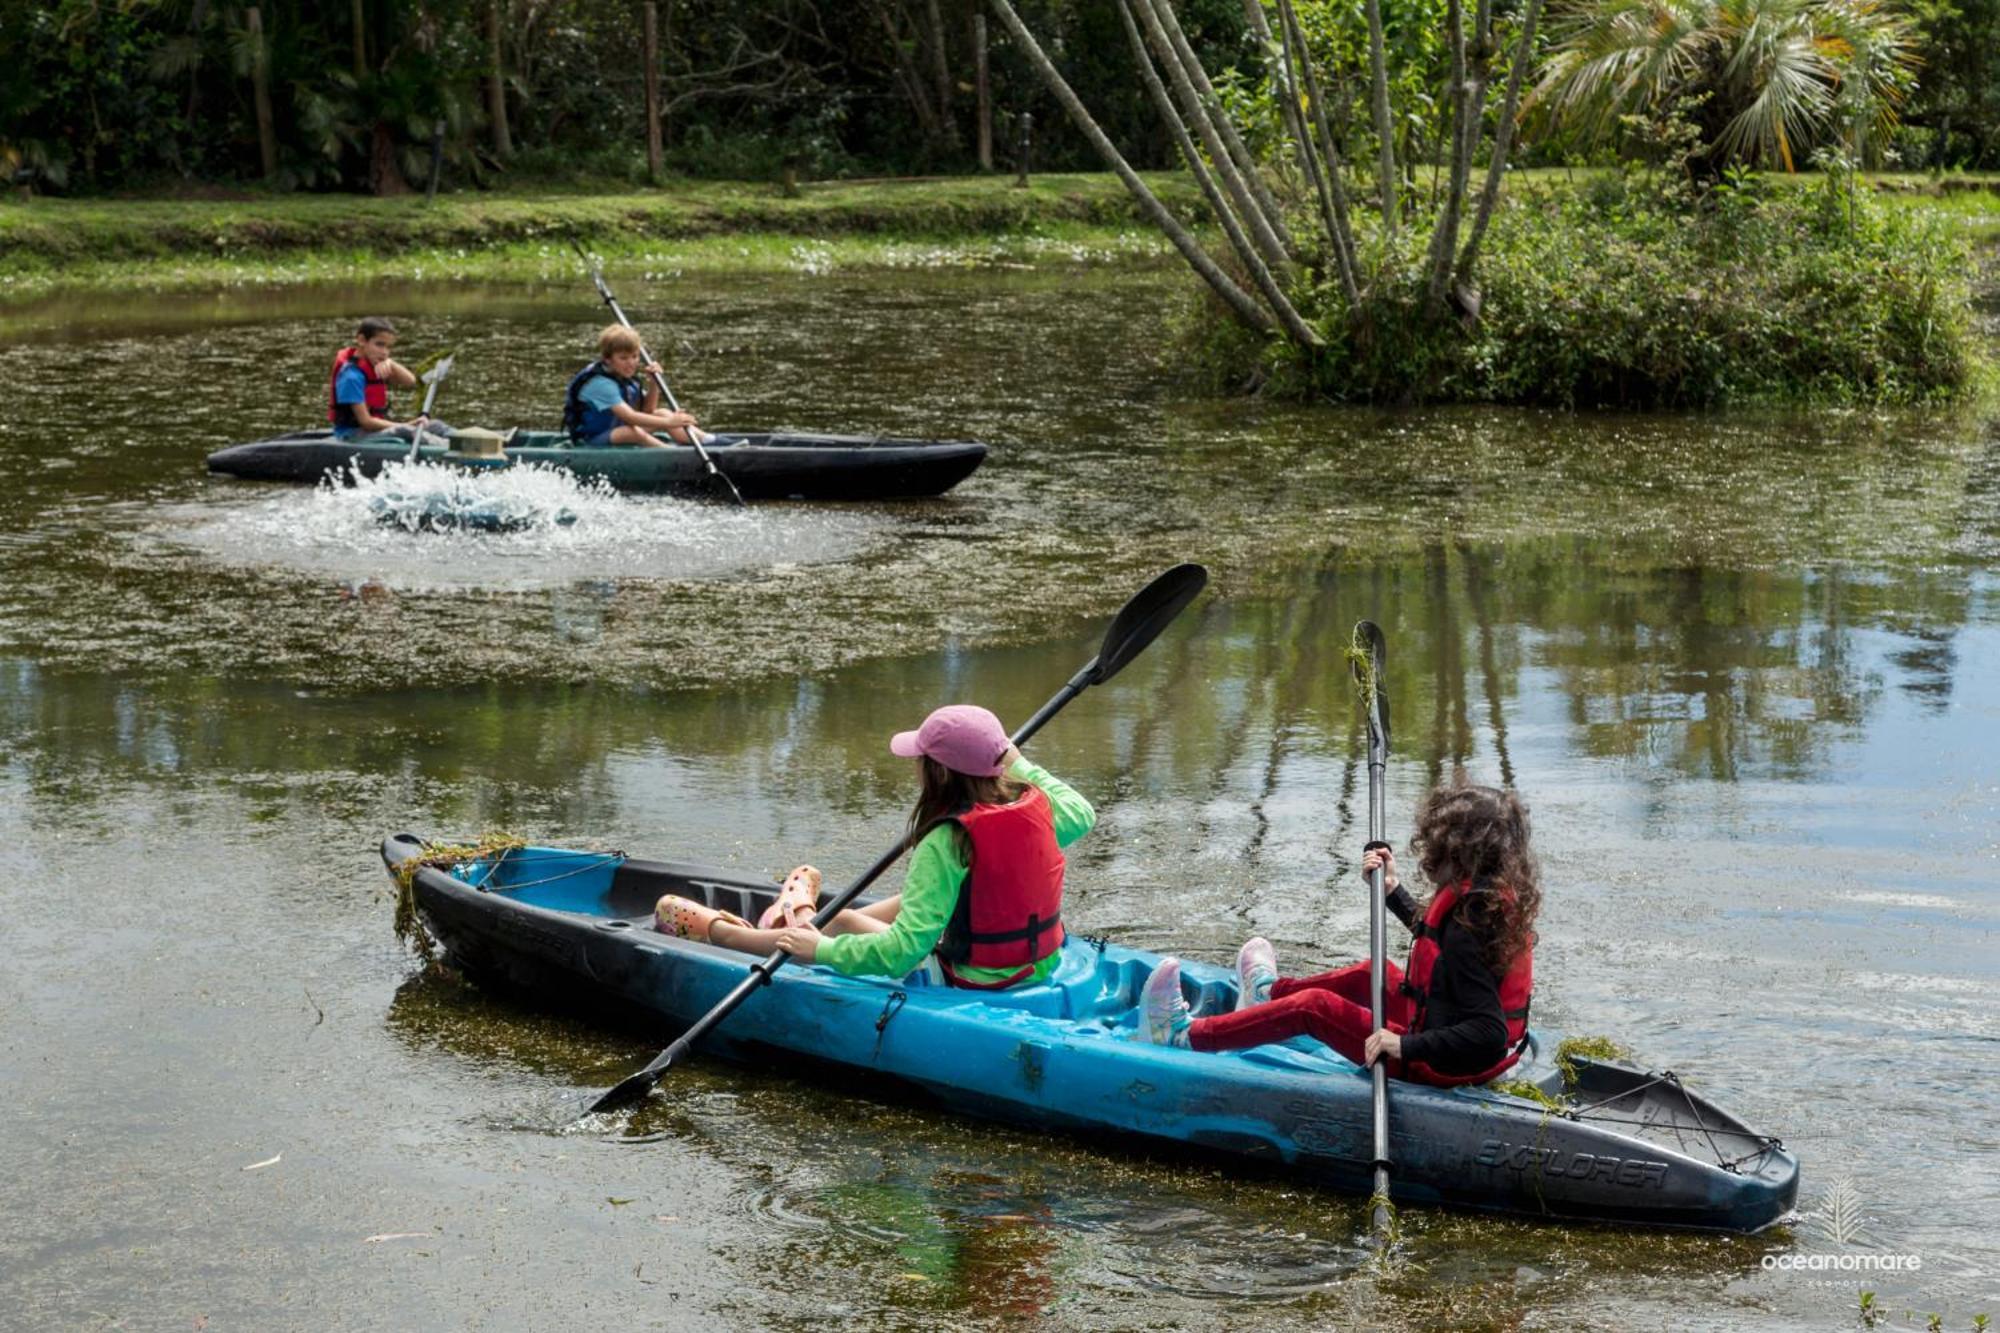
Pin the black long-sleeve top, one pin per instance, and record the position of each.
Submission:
(1465, 1028)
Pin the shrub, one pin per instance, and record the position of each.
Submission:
(1627, 293)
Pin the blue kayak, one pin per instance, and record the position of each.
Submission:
(1629, 1146)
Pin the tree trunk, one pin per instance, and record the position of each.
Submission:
(358, 10)
(1503, 138)
(1385, 131)
(1274, 296)
(941, 74)
(496, 84)
(260, 92)
(1240, 154)
(910, 81)
(983, 91)
(1464, 125)
(1243, 305)
(650, 53)
(1262, 231)
(385, 174)
(1283, 88)
(1341, 228)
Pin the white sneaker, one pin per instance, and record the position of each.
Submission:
(1163, 1013)
(1256, 971)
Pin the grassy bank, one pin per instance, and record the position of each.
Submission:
(47, 243)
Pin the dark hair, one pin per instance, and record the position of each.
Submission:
(946, 792)
(373, 325)
(1480, 834)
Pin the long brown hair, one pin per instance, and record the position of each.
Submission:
(1481, 834)
(946, 792)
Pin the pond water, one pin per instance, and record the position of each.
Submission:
(1745, 669)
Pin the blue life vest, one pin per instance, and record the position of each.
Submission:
(585, 423)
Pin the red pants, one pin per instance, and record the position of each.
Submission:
(1331, 1008)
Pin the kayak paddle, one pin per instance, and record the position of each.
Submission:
(693, 433)
(1368, 640)
(431, 378)
(1137, 624)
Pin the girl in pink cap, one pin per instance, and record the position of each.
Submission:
(981, 906)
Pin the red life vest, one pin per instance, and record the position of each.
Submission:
(1515, 987)
(1009, 911)
(375, 394)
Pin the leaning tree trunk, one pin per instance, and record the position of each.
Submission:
(1283, 85)
(1274, 295)
(1464, 121)
(1261, 226)
(941, 73)
(1503, 138)
(1239, 152)
(910, 81)
(1341, 227)
(1241, 303)
(1378, 67)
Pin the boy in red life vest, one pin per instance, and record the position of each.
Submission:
(607, 403)
(981, 906)
(1457, 1014)
(357, 399)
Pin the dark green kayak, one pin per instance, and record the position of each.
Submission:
(763, 464)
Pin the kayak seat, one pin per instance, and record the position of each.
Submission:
(1093, 984)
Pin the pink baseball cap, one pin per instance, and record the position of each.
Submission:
(965, 738)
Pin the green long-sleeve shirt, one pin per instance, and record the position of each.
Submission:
(930, 894)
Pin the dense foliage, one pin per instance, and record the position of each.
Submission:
(1760, 81)
(96, 95)
(1628, 289)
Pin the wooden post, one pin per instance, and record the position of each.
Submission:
(496, 84)
(984, 94)
(655, 147)
(358, 11)
(260, 92)
(1022, 144)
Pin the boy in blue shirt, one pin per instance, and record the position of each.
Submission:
(358, 391)
(606, 404)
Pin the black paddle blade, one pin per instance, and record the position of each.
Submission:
(1368, 638)
(1151, 610)
(632, 1091)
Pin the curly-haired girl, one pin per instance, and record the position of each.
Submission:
(1458, 1013)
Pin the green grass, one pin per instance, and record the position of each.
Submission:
(46, 244)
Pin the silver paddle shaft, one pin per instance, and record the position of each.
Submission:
(1378, 942)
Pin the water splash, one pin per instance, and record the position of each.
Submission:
(428, 526)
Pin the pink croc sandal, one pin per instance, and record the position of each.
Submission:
(690, 920)
(796, 902)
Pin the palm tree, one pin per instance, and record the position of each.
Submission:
(1763, 81)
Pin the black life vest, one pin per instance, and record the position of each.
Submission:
(585, 423)
(1516, 986)
(375, 394)
(1009, 910)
